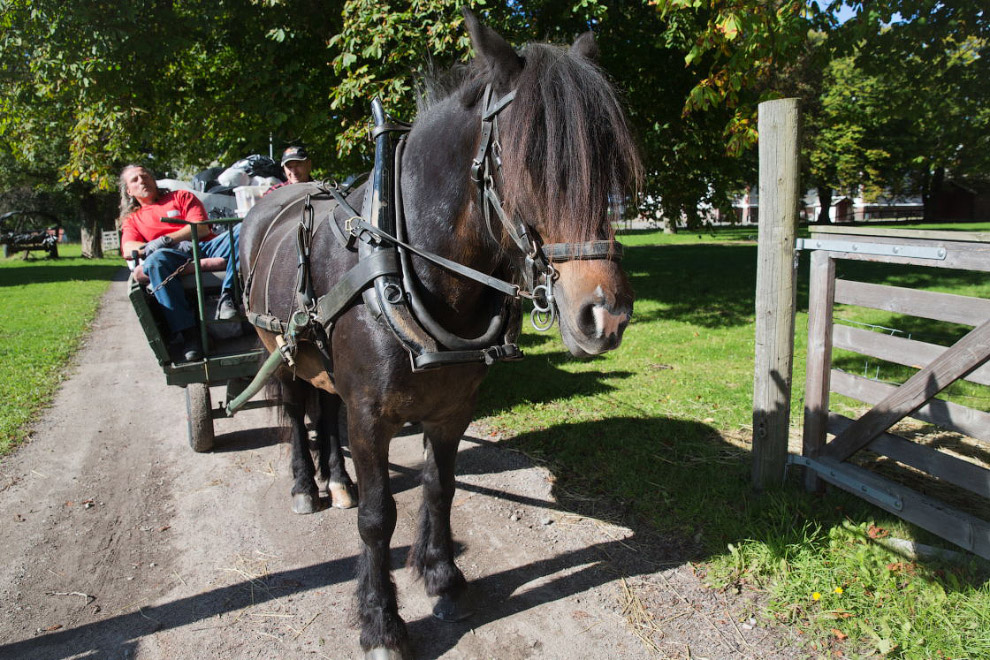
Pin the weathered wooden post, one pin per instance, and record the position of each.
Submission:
(775, 289)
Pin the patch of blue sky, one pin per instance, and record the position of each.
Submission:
(845, 11)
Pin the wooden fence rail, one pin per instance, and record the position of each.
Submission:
(937, 366)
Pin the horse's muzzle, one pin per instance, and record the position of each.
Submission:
(597, 324)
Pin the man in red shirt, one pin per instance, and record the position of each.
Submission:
(165, 246)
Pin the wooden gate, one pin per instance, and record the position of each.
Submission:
(938, 367)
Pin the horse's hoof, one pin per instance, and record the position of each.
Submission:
(452, 610)
(303, 503)
(382, 653)
(341, 496)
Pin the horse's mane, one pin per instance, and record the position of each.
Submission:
(565, 142)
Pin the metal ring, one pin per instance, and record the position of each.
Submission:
(542, 321)
(543, 299)
(393, 294)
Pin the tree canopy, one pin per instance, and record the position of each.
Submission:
(895, 96)
(89, 86)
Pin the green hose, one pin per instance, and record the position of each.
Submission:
(297, 324)
(267, 369)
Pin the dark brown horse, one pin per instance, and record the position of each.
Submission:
(514, 174)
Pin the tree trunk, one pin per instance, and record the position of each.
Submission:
(825, 200)
(93, 220)
(931, 192)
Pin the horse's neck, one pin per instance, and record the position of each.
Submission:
(437, 190)
(437, 195)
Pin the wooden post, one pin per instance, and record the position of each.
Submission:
(775, 289)
(821, 301)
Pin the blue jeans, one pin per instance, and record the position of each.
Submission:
(178, 314)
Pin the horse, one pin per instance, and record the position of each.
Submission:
(504, 187)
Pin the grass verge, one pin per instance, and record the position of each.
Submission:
(46, 307)
(663, 426)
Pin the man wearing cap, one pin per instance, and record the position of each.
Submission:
(296, 166)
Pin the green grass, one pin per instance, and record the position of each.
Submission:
(662, 427)
(46, 307)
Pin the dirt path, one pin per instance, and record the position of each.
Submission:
(120, 542)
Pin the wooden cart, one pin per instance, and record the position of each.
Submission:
(232, 361)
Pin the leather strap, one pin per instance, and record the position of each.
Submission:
(267, 322)
(454, 267)
(393, 126)
(488, 355)
(330, 306)
(557, 252)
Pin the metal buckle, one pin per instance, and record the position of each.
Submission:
(544, 311)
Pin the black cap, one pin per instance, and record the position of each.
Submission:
(294, 153)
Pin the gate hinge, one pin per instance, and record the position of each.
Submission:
(884, 249)
(839, 478)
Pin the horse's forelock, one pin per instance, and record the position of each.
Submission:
(566, 143)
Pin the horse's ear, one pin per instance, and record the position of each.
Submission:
(585, 46)
(495, 51)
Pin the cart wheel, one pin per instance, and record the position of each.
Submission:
(198, 417)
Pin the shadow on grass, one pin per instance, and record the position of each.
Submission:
(715, 285)
(64, 269)
(539, 379)
(684, 483)
(707, 285)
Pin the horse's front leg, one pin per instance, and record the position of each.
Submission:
(331, 456)
(383, 633)
(305, 493)
(433, 555)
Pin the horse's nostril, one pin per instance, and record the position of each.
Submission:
(587, 321)
(601, 321)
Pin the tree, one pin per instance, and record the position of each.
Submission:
(922, 65)
(381, 51)
(737, 49)
(934, 57)
(87, 87)
(846, 123)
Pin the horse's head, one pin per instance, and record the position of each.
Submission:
(567, 161)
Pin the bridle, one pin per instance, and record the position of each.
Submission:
(537, 271)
